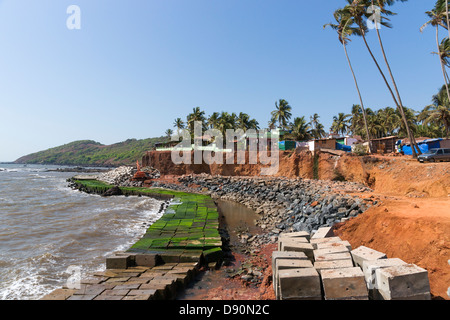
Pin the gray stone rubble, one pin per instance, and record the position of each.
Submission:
(284, 205)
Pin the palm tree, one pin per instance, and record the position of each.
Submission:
(300, 129)
(196, 115)
(345, 29)
(438, 113)
(358, 10)
(169, 133)
(340, 123)
(244, 122)
(225, 121)
(282, 113)
(358, 122)
(317, 129)
(179, 124)
(213, 120)
(436, 15)
(389, 121)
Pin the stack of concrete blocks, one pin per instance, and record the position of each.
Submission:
(325, 267)
(341, 279)
(294, 276)
(391, 279)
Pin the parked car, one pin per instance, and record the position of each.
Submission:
(435, 155)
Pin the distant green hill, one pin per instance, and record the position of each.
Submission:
(92, 153)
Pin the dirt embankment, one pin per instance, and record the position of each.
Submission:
(388, 175)
(412, 223)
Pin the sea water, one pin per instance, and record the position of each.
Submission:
(47, 229)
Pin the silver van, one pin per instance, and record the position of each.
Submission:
(435, 155)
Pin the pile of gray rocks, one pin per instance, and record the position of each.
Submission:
(120, 177)
(287, 205)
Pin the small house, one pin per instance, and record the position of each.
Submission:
(384, 145)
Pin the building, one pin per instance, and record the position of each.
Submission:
(325, 143)
(384, 145)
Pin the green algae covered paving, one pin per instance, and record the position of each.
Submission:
(187, 229)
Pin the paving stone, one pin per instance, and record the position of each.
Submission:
(299, 284)
(324, 232)
(96, 280)
(333, 264)
(402, 282)
(153, 273)
(59, 294)
(334, 256)
(117, 280)
(138, 297)
(363, 253)
(139, 292)
(91, 289)
(116, 292)
(166, 266)
(105, 297)
(137, 281)
(344, 284)
(82, 297)
(131, 286)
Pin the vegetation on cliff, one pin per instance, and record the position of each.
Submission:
(92, 153)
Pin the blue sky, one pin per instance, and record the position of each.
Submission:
(135, 66)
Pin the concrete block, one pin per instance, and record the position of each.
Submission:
(344, 284)
(333, 264)
(403, 282)
(326, 245)
(147, 260)
(324, 240)
(334, 256)
(284, 255)
(327, 251)
(324, 232)
(370, 266)
(306, 248)
(292, 264)
(118, 262)
(283, 264)
(299, 284)
(363, 253)
(282, 240)
(299, 234)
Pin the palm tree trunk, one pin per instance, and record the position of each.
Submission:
(442, 63)
(389, 88)
(400, 105)
(360, 98)
(448, 17)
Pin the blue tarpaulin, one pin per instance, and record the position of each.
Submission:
(424, 146)
(340, 146)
